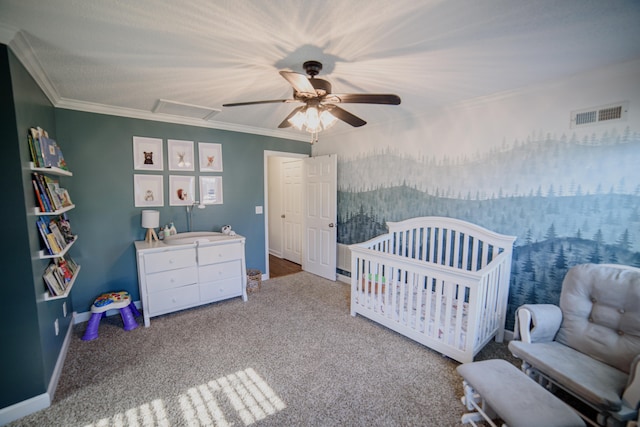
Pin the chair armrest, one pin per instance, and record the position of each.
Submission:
(537, 322)
(631, 394)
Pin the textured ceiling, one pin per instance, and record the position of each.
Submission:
(127, 55)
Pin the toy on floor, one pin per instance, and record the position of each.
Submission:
(111, 301)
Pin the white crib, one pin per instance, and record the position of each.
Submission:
(440, 281)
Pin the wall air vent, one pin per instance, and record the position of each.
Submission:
(181, 109)
(587, 116)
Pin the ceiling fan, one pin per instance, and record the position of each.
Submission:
(320, 110)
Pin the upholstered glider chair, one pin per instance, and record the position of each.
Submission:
(590, 345)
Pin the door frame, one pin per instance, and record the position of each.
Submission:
(267, 154)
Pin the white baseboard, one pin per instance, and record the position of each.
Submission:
(41, 401)
(343, 278)
(508, 335)
(24, 408)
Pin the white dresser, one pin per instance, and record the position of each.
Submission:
(176, 277)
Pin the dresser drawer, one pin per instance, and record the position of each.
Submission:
(223, 270)
(214, 291)
(169, 260)
(173, 299)
(219, 253)
(171, 279)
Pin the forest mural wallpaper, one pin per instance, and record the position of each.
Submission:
(543, 189)
(514, 163)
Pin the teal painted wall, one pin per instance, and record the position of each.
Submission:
(30, 347)
(99, 151)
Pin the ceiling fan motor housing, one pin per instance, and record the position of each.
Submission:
(312, 67)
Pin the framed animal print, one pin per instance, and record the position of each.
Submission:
(211, 190)
(180, 154)
(182, 190)
(210, 157)
(148, 190)
(147, 153)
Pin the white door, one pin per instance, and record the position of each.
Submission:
(320, 216)
(292, 210)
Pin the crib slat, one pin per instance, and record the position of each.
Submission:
(474, 255)
(459, 342)
(464, 246)
(409, 305)
(456, 249)
(448, 304)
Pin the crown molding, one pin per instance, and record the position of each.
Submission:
(90, 107)
(7, 33)
(23, 50)
(21, 47)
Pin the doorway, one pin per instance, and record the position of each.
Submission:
(283, 212)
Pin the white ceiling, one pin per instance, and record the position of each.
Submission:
(117, 55)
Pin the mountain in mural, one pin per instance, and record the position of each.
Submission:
(538, 268)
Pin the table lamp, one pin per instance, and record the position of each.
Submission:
(150, 221)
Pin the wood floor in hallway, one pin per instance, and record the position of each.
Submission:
(282, 267)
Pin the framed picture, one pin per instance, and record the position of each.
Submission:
(180, 154)
(181, 190)
(148, 190)
(210, 157)
(147, 153)
(211, 190)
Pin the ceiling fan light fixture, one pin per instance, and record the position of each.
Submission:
(312, 121)
(327, 119)
(298, 120)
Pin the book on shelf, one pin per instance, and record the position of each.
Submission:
(71, 264)
(65, 228)
(44, 231)
(55, 249)
(53, 188)
(45, 152)
(57, 234)
(38, 197)
(50, 196)
(58, 274)
(42, 192)
(52, 282)
(34, 146)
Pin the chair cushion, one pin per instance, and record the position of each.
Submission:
(601, 319)
(597, 383)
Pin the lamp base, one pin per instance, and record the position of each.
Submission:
(151, 236)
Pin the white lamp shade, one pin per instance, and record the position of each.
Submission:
(150, 218)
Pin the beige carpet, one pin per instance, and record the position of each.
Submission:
(290, 356)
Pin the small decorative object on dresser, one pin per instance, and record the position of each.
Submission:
(150, 221)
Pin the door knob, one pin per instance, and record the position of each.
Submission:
(282, 216)
(331, 225)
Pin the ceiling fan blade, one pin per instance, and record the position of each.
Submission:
(364, 98)
(286, 123)
(273, 101)
(346, 116)
(299, 82)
